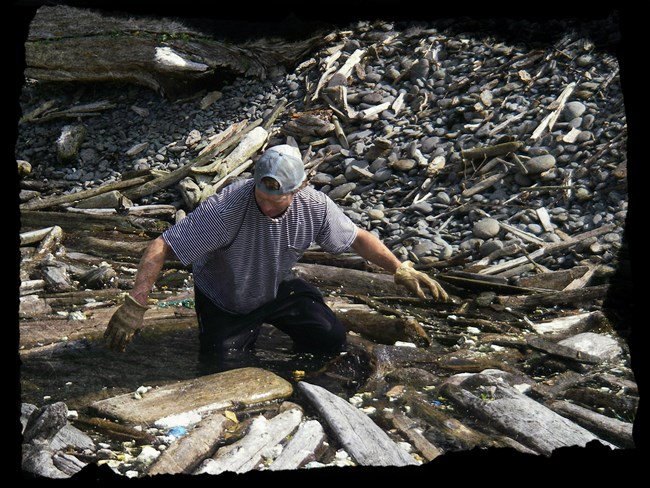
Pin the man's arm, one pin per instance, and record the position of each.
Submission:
(369, 247)
(149, 269)
(129, 317)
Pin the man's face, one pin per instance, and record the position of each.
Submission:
(273, 205)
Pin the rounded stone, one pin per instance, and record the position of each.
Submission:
(341, 191)
(573, 110)
(539, 164)
(486, 228)
(488, 247)
(403, 164)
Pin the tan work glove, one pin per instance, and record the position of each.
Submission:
(411, 278)
(124, 323)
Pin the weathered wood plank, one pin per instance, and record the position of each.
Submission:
(611, 429)
(368, 444)
(572, 298)
(302, 448)
(211, 393)
(447, 431)
(70, 221)
(247, 453)
(408, 427)
(515, 414)
(184, 455)
(564, 352)
(549, 249)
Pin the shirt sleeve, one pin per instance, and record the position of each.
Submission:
(201, 231)
(338, 232)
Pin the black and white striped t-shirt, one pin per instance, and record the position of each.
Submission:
(239, 256)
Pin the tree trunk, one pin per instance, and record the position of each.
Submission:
(69, 44)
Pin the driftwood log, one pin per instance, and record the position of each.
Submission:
(165, 55)
(362, 438)
(201, 442)
(515, 414)
(247, 453)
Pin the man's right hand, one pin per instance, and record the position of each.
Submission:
(124, 323)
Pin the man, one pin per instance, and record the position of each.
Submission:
(242, 244)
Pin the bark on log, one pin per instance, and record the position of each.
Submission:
(113, 249)
(70, 44)
(449, 433)
(553, 280)
(348, 261)
(623, 406)
(116, 430)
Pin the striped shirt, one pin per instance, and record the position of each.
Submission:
(239, 256)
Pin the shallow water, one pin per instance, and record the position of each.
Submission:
(80, 372)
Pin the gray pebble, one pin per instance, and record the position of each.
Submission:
(573, 109)
(341, 191)
(486, 228)
(489, 246)
(539, 164)
(422, 207)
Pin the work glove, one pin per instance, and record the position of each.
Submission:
(125, 322)
(412, 279)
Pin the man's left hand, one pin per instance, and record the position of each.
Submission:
(414, 280)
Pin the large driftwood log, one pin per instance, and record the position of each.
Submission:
(53, 201)
(364, 440)
(446, 431)
(515, 414)
(351, 282)
(385, 329)
(614, 430)
(573, 298)
(70, 44)
(70, 221)
(211, 393)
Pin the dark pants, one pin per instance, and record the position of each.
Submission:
(298, 310)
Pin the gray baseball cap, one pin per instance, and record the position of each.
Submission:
(284, 164)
